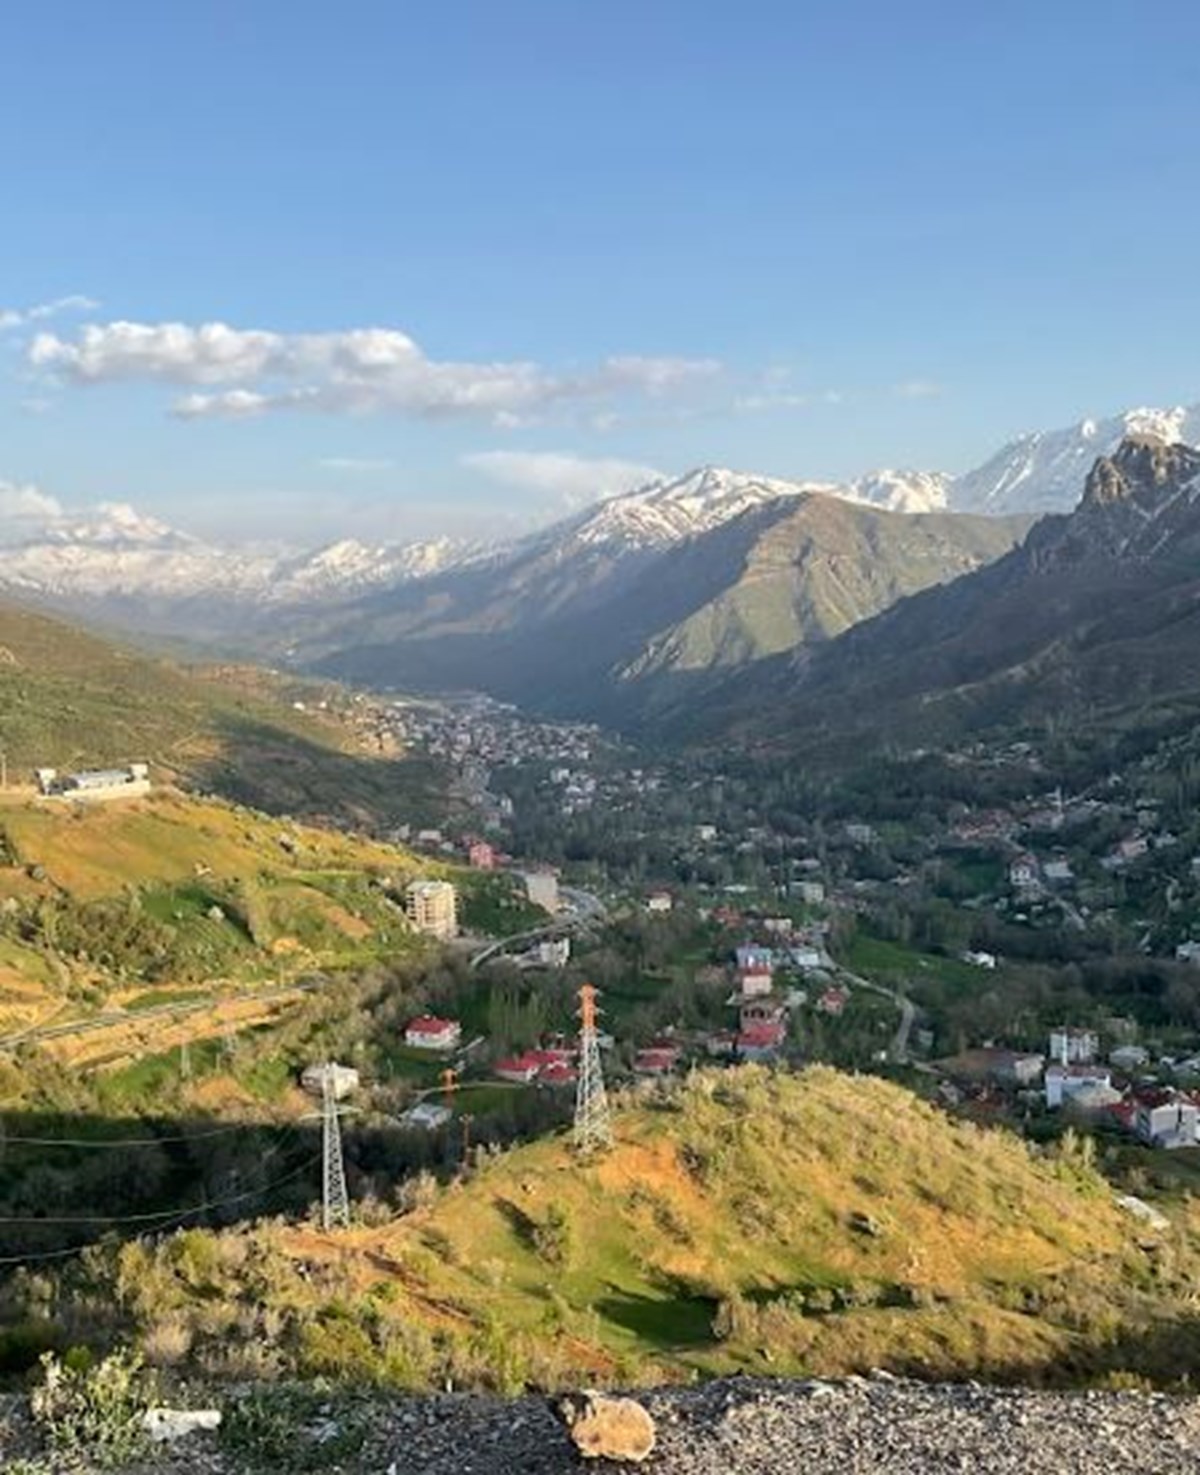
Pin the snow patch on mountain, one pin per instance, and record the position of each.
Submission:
(900, 491)
(119, 552)
(668, 511)
(1045, 470)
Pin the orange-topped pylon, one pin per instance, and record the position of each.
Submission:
(592, 1126)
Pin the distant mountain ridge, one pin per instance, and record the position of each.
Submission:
(1097, 612)
(613, 614)
(122, 564)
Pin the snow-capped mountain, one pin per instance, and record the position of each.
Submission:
(666, 512)
(120, 553)
(899, 491)
(1045, 470)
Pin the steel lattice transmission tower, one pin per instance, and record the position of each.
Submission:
(593, 1128)
(335, 1201)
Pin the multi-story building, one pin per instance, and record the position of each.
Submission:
(432, 908)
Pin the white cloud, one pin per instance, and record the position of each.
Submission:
(356, 463)
(750, 404)
(574, 480)
(254, 372)
(917, 389)
(20, 317)
(24, 506)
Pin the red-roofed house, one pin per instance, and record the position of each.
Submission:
(519, 1069)
(481, 856)
(834, 1000)
(656, 1060)
(761, 1040)
(430, 1033)
(558, 1073)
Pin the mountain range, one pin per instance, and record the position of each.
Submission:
(116, 560)
(626, 611)
(1094, 619)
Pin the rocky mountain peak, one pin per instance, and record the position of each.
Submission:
(1145, 470)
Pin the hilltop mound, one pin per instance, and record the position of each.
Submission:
(744, 1221)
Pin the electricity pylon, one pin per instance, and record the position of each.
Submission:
(335, 1201)
(592, 1126)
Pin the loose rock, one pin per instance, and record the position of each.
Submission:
(606, 1428)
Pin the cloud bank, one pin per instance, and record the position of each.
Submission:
(236, 373)
(574, 480)
(20, 317)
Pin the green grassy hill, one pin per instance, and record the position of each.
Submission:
(69, 699)
(743, 1221)
(132, 904)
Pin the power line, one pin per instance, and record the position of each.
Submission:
(6, 1138)
(174, 1217)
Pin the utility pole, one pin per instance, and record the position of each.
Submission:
(185, 1062)
(335, 1201)
(593, 1129)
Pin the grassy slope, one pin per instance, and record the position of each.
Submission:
(825, 1222)
(294, 898)
(70, 699)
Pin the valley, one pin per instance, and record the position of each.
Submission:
(976, 924)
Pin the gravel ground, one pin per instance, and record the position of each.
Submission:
(752, 1427)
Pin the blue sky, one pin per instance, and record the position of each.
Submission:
(462, 252)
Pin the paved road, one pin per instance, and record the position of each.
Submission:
(898, 1049)
(583, 908)
(116, 1017)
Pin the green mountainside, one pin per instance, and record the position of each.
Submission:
(611, 634)
(743, 1221)
(70, 699)
(1090, 627)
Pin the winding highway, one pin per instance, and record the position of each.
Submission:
(582, 908)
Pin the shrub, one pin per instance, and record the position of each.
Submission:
(291, 1429)
(552, 1237)
(94, 1411)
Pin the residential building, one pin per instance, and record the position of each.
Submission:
(1188, 952)
(94, 783)
(812, 893)
(432, 908)
(659, 901)
(762, 1040)
(344, 1078)
(553, 952)
(1070, 1046)
(755, 980)
(834, 1000)
(1167, 1119)
(760, 1011)
(481, 856)
(541, 887)
(656, 1060)
(979, 960)
(1013, 1068)
(426, 1116)
(430, 1033)
(1063, 1081)
(1129, 1057)
(1025, 873)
